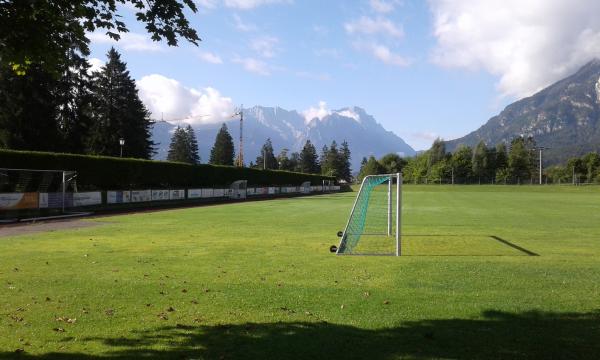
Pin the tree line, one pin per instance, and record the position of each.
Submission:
(332, 161)
(517, 163)
(78, 111)
(584, 169)
(49, 100)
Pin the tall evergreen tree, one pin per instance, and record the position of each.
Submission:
(178, 149)
(323, 159)
(184, 147)
(192, 145)
(479, 162)
(222, 152)
(519, 160)
(119, 113)
(74, 102)
(309, 162)
(344, 167)
(266, 159)
(28, 110)
(330, 165)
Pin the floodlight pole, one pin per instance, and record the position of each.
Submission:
(398, 213)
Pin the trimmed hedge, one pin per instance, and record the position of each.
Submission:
(108, 173)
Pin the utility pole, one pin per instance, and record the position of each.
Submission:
(452, 175)
(541, 149)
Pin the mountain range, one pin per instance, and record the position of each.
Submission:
(290, 130)
(564, 117)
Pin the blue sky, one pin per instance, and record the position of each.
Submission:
(422, 68)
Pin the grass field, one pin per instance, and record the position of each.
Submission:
(489, 272)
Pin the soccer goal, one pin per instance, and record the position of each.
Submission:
(32, 189)
(305, 187)
(373, 227)
(238, 190)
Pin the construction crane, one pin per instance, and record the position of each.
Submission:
(239, 112)
(191, 117)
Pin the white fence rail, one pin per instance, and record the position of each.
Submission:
(44, 200)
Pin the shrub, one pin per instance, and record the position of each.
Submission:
(102, 172)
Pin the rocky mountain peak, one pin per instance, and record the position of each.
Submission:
(565, 116)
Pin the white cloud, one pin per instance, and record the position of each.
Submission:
(371, 26)
(319, 113)
(210, 58)
(206, 4)
(254, 65)
(265, 46)
(243, 26)
(383, 53)
(527, 44)
(251, 4)
(129, 41)
(383, 6)
(169, 98)
(96, 64)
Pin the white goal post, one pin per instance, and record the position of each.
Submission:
(238, 190)
(374, 224)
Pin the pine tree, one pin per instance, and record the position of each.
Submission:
(179, 149)
(344, 167)
(479, 161)
(308, 162)
(519, 160)
(28, 111)
(266, 159)
(74, 102)
(222, 152)
(119, 113)
(330, 165)
(323, 159)
(192, 145)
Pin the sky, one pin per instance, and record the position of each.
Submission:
(423, 69)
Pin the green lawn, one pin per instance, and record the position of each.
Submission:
(489, 272)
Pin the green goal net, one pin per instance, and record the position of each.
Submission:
(373, 227)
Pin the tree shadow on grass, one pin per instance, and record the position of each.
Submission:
(495, 335)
